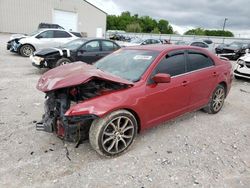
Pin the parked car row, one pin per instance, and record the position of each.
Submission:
(233, 50)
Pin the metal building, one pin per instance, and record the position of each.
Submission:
(23, 16)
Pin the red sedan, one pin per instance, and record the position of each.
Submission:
(131, 90)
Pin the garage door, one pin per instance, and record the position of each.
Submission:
(66, 19)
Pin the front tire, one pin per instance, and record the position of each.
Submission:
(113, 134)
(26, 50)
(217, 100)
(237, 77)
(62, 61)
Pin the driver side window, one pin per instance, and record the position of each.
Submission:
(173, 65)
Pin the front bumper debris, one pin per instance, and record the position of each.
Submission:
(69, 128)
(242, 71)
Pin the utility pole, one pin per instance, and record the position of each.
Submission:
(224, 25)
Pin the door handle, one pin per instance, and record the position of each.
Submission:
(184, 83)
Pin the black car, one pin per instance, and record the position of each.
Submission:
(86, 50)
(232, 51)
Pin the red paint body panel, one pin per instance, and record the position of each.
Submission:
(153, 103)
(73, 74)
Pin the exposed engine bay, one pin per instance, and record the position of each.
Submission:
(73, 128)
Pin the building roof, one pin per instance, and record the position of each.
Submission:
(95, 7)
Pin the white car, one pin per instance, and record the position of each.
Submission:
(242, 67)
(44, 38)
(198, 43)
(138, 41)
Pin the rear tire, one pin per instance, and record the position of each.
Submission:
(217, 100)
(62, 61)
(26, 50)
(114, 134)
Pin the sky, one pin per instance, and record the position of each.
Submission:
(185, 15)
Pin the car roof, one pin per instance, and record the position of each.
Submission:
(47, 29)
(163, 47)
(92, 38)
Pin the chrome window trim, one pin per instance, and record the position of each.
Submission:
(193, 71)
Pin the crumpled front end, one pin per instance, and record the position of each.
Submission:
(13, 45)
(58, 102)
(242, 67)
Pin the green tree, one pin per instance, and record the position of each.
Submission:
(135, 23)
(197, 31)
(200, 31)
(148, 24)
(156, 30)
(164, 27)
(134, 28)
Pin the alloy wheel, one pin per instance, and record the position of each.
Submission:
(218, 99)
(118, 135)
(27, 51)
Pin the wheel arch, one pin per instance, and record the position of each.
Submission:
(136, 117)
(26, 44)
(224, 84)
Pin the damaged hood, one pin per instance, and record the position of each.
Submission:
(48, 51)
(74, 74)
(18, 36)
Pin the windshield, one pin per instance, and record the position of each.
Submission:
(235, 44)
(74, 44)
(127, 64)
(136, 40)
(34, 33)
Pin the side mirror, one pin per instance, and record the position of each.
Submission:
(39, 37)
(162, 78)
(80, 52)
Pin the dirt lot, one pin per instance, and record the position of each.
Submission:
(197, 149)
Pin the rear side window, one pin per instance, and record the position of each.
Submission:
(92, 46)
(173, 65)
(109, 46)
(198, 61)
(61, 34)
(46, 34)
(155, 41)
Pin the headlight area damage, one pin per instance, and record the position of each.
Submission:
(63, 92)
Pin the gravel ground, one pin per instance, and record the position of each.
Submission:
(195, 150)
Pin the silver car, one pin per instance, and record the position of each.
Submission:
(25, 45)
